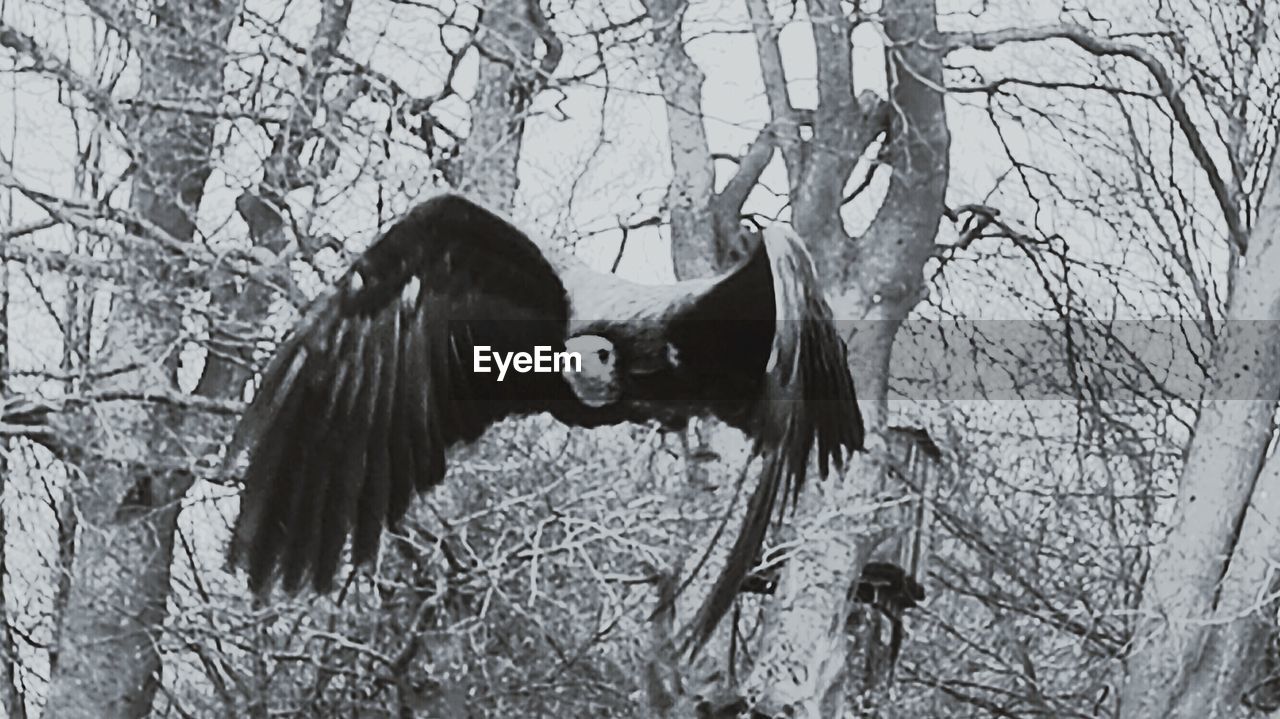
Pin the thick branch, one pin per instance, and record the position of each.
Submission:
(1236, 231)
(108, 223)
(46, 63)
(785, 122)
(554, 48)
(729, 201)
(836, 116)
(16, 231)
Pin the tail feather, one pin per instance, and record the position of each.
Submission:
(742, 556)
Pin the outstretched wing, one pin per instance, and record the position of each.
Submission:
(361, 401)
(805, 398)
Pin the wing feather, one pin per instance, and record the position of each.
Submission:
(342, 494)
(375, 383)
(325, 447)
(370, 499)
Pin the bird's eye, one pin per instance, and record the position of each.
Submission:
(602, 355)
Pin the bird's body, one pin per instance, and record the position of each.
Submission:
(358, 407)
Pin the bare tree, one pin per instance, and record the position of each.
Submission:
(1207, 595)
(522, 591)
(800, 667)
(134, 473)
(1211, 587)
(880, 289)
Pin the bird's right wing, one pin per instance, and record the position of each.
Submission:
(806, 402)
(360, 402)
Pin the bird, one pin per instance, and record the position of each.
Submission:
(889, 589)
(382, 374)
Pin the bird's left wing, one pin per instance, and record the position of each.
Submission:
(807, 400)
(356, 410)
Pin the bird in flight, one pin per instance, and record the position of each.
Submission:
(382, 374)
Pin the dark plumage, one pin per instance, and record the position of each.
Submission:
(885, 584)
(356, 411)
(887, 587)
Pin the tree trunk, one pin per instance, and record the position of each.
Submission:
(689, 193)
(508, 78)
(801, 669)
(133, 467)
(1214, 561)
(1244, 618)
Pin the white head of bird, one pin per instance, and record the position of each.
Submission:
(596, 383)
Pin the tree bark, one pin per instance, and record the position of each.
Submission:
(1244, 618)
(132, 465)
(1212, 565)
